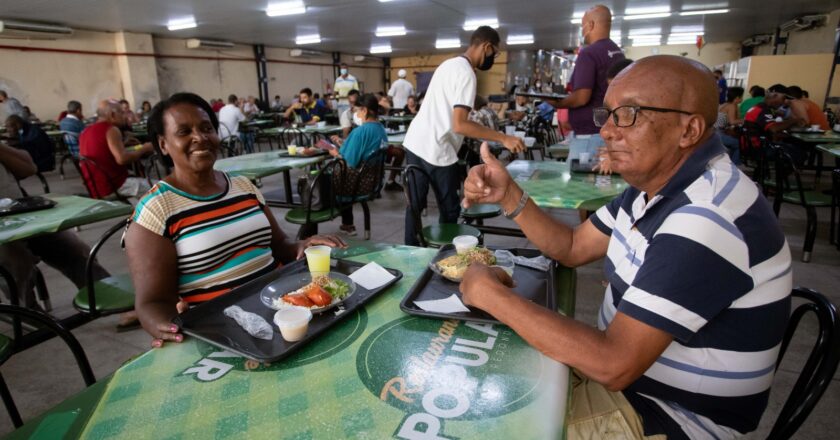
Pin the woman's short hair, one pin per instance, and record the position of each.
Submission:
(370, 102)
(156, 120)
(734, 93)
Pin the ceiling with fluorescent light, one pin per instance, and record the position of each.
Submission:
(350, 25)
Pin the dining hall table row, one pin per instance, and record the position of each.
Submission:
(378, 373)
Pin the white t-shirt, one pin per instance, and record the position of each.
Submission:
(430, 134)
(229, 118)
(345, 118)
(400, 91)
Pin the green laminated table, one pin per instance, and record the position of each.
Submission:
(396, 119)
(309, 129)
(833, 150)
(69, 212)
(258, 165)
(377, 374)
(396, 139)
(552, 185)
(828, 137)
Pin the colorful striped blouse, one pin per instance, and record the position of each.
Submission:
(222, 241)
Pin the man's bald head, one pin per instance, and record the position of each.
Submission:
(596, 23)
(681, 83)
(110, 110)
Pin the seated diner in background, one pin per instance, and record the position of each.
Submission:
(411, 106)
(306, 110)
(806, 110)
(102, 143)
(363, 142)
(728, 123)
(345, 118)
(173, 240)
(699, 270)
(767, 118)
(27, 136)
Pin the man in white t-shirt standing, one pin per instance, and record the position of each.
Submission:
(400, 90)
(343, 85)
(435, 136)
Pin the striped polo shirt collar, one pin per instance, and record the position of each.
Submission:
(694, 167)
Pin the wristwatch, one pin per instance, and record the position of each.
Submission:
(519, 207)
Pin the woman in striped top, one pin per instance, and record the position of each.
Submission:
(198, 233)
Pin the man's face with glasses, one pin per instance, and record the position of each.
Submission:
(641, 126)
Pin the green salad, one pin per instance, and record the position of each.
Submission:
(336, 288)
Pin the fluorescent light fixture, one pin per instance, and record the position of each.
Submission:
(578, 14)
(471, 25)
(645, 37)
(685, 34)
(381, 48)
(576, 21)
(645, 43)
(645, 31)
(390, 31)
(308, 39)
(181, 23)
(520, 39)
(285, 8)
(708, 11)
(680, 41)
(385, 1)
(447, 43)
(646, 16)
(647, 10)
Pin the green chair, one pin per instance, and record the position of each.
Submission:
(477, 213)
(346, 186)
(114, 294)
(436, 235)
(809, 199)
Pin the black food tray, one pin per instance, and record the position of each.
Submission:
(27, 204)
(534, 285)
(208, 322)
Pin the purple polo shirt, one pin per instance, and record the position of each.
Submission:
(591, 73)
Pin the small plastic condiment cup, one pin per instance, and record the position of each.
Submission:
(464, 243)
(293, 322)
(292, 149)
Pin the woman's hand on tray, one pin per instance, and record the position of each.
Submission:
(333, 241)
(481, 282)
(167, 331)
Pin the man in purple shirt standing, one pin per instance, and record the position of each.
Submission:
(589, 81)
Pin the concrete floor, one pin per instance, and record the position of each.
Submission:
(43, 376)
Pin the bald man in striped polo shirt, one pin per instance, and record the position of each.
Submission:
(699, 270)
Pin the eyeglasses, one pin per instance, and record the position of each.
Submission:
(625, 115)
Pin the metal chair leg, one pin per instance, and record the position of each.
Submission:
(366, 211)
(41, 290)
(810, 234)
(10, 403)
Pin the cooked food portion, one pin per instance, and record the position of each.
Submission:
(318, 295)
(455, 266)
(298, 299)
(321, 292)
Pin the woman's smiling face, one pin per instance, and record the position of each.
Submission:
(189, 138)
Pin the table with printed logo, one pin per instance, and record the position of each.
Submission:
(377, 374)
(255, 166)
(551, 184)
